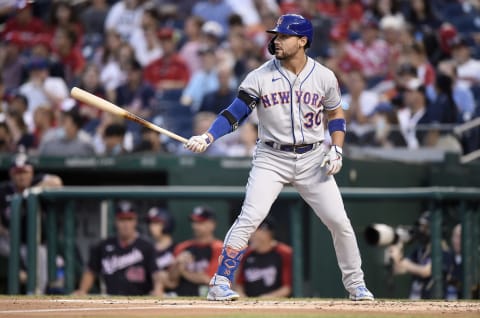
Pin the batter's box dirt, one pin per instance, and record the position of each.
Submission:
(120, 307)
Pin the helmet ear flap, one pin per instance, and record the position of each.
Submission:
(271, 46)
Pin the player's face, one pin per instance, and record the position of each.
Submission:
(126, 228)
(287, 46)
(156, 229)
(203, 229)
(22, 177)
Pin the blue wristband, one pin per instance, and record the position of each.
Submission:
(338, 124)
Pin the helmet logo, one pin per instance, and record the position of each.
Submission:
(280, 20)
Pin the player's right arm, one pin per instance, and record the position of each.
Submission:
(89, 275)
(88, 278)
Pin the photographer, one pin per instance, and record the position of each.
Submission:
(419, 262)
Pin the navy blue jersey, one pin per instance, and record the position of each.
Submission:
(263, 273)
(126, 270)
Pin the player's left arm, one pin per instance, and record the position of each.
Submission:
(337, 128)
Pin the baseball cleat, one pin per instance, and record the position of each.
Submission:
(361, 293)
(220, 289)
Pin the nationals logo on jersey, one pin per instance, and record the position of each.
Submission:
(114, 263)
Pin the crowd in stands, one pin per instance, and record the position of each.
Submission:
(409, 70)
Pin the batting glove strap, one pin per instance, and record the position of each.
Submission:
(198, 143)
(332, 160)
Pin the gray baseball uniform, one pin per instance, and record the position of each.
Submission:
(290, 112)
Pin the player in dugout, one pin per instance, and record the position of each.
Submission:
(125, 262)
(266, 269)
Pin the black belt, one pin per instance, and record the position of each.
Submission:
(292, 148)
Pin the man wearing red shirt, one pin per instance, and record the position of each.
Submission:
(169, 71)
(24, 26)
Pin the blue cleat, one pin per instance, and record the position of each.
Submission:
(361, 293)
(220, 289)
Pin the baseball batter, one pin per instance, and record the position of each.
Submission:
(292, 93)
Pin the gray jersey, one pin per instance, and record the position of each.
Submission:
(291, 107)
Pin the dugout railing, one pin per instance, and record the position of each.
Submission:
(468, 199)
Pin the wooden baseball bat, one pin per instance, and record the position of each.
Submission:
(102, 104)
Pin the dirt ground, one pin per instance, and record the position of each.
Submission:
(58, 307)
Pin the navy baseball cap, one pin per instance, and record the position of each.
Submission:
(160, 215)
(20, 163)
(201, 214)
(125, 210)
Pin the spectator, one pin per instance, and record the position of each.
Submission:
(468, 68)
(115, 59)
(416, 56)
(150, 141)
(6, 144)
(11, 64)
(90, 81)
(414, 114)
(18, 105)
(392, 27)
(160, 226)
(202, 81)
(93, 21)
(44, 120)
(189, 50)
(41, 88)
(321, 28)
(107, 119)
(124, 17)
(214, 10)
(24, 26)
(359, 108)
(70, 55)
(419, 263)
(22, 138)
(462, 95)
(371, 51)
(345, 14)
(266, 269)
(134, 276)
(64, 15)
(135, 95)
(144, 38)
(113, 138)
(23, 176)
(68, 140)
(224, 95)
(422, 16)
(339, 59)
(196, 259)
(170, 71)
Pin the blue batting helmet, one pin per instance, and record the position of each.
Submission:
(294, 24)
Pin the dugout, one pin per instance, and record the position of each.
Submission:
(322, 277)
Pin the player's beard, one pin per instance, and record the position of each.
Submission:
(283, 55)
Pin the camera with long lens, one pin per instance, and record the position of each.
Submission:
(379, 234)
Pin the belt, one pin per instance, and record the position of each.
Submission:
(292, 148)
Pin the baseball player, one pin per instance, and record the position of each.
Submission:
(292, 93)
